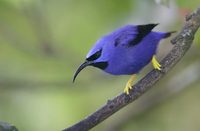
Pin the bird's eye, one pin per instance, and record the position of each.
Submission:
(94, 56)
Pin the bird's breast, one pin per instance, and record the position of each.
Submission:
(127, 61)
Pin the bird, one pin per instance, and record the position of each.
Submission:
(126, 51)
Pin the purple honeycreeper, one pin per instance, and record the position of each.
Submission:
(125, 51)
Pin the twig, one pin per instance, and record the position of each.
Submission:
(182, 43)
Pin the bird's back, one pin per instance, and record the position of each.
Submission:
(126, 59)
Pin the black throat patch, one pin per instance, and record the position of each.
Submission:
(100, 65)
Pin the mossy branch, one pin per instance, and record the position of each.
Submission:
(182, 43)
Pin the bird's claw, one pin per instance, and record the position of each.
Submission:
(156, 64)
(129, 84)
(127, 88)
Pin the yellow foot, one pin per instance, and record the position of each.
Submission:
(155, 63)
(129, 84)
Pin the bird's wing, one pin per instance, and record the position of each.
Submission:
(132, 35)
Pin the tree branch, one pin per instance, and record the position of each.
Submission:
(185, 78)
(4, 126)
(182, 43)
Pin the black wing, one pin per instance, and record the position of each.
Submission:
(143, 30)
(132, 35)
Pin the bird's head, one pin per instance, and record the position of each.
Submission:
(96, 57)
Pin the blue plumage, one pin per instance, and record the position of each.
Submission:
(125, 51)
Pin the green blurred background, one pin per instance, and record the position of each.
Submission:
(42, 42)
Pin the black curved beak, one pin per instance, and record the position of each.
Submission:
(81, 67)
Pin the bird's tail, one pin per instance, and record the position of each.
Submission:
(168, 34)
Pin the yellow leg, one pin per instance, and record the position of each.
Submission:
(155, 63)
(129, 84)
